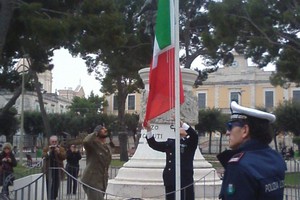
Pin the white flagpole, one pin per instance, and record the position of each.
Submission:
(177, 100)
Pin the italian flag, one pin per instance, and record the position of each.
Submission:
(162, 71)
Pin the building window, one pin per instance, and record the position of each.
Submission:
(201, 100)
(131, 102)
(269, 99)
(115, 103)
(61, 108)
(37, 107)
(296, 96)
(235, 96)
(53, 108)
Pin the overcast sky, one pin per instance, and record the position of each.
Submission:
(71, 72)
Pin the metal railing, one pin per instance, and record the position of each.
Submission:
(292, 192)
(36, 188)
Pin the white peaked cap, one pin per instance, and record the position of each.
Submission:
(240, 112)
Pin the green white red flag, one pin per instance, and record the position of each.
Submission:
(162, 71)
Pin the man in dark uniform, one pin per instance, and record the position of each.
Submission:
(253, 171)
(188, 145)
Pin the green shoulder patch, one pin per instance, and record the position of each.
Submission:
(230, 189)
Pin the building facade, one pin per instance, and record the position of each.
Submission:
(132, 104)
(57, 102)
(70, 94)
(247, 85)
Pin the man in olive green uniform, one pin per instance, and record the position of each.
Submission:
(98, 158)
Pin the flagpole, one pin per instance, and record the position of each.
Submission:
(177, 100)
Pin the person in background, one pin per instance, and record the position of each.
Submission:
(72, 167)
(98, 158)
(291, 153)
(7, 162)
(253, 171)
(283, 152)
(188, 146)
(53, 155)
(15, 150)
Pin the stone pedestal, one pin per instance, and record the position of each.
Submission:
(141, 176)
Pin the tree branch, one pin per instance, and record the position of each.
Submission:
(266, 36)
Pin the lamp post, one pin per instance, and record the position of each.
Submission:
(21, 145)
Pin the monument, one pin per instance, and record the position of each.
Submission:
(141, 176)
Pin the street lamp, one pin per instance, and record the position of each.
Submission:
(22, 112)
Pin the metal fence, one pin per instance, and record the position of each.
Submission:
(33, 187)
(292, 192)
(219, 144)
(37, 189)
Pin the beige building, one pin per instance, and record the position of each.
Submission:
(248, 85)
(70, 94)
(132, 105)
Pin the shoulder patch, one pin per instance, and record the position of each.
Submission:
(236, 157)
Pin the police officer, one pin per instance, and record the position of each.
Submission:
(188, 145)
(253, 171)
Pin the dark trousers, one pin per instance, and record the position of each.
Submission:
(73, 171)
(186, 193)
(52, 183)
(7, 179)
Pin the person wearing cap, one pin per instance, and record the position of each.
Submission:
(7, 163)
(98, 158)
(53, 159)
(188, 146)
(72, 167)
(253, 171)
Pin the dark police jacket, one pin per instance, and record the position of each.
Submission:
(188, 145)
(252, 172)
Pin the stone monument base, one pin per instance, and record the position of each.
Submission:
(155, 190)
(141, 176)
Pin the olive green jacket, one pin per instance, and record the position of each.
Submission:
(98, 158)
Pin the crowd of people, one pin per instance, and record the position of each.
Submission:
(249, 164)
